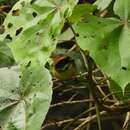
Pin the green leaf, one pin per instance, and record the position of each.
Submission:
(116, 90)
(66, 35)
(124, 47)
(6, 58)
(122, 9)
(102, 4)
(33, 27)
(80, 11)
(108, 46)
(24, 97)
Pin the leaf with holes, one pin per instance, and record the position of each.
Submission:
(33, 26)
(24, 97)
(108, 46)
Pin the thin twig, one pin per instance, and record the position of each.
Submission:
(92, 89)
(72, 102)
(83, 120)
(78, 117)
(90, 113)
(89, 119)
(110, 94)
(126, 122)
(73, 96)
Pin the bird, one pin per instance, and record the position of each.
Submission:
(63, 68)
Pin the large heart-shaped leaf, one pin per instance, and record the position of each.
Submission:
(33, 26)
(24, 97)
(107, 40)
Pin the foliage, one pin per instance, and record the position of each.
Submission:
(31, 32)
(6, 56)
(23, 100)
(102, 4)
(34, 35)
(112, 38)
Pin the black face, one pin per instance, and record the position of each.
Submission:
(63, 64)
